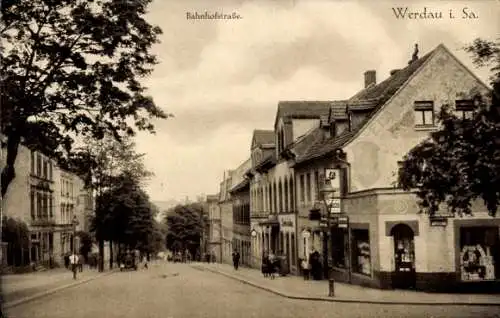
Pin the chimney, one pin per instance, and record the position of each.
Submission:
(414, 57)
(370, 78)
(394, 71)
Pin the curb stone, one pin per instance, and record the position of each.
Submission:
(344, 300)
(54, 290)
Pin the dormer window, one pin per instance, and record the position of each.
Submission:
(349, 120)
(333, 129)
(424, 113)
(281, 141)
(464, 109)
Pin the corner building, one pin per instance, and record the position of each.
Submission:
(387, 243)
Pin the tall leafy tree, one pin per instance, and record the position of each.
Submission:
(70, 68)
(460, 162)
(16, 234)
(185, 224)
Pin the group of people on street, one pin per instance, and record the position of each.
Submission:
(312, 266)
(270, 265)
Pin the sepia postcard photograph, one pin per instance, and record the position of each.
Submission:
(249, 158)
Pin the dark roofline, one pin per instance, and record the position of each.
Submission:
(266, 164)
(283, 103)
(240, 186)
(347, 137)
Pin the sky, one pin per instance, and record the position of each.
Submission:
(221, 79)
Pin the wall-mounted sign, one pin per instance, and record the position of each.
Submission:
(286, 221)
(333, 176)
(335, 206)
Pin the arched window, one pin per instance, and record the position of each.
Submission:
(280, 196)
(275, 199)
(286, 195)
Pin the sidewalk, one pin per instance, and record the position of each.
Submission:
(20, 288)
(296, 288)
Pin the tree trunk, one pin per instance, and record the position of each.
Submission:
(111, 255)
(101, 255)
(8, 172)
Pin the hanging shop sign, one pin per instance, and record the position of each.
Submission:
(286, 221)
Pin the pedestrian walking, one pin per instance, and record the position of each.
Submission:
(236, 259)
(305, 268)
(145, 260)
(73, 260)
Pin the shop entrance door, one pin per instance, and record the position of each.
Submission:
(404, 257)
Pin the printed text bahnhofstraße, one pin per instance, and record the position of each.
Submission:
(219, 15)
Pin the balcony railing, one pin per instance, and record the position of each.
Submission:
(259, 214)
(47, 221)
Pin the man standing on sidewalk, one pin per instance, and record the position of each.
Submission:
(73, 260)
(236, 259)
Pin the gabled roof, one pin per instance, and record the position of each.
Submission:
(262, 137)
(302, 145)
(302, 109)
(380, 93)
(372, 97)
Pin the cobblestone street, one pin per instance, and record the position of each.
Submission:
(179, 290)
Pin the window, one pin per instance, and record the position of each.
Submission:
(464, 109)
(45, 206)
(38, 165)
(361, 252)
(50, 170)
(424, 113)
(45, 169)
(302, 189)
(339, 247)
(318, 185)
(479, 256)
(344, 181)
(51, 208)
(333, 129)
(308, 186)
(38, 205)
(32, 204)
(32, 161)
(294, 257)
(62, 214)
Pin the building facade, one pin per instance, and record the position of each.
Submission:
(215, 228)
(375, 235)
(226, 215)
(240, 197)
(44, 197)
(386, 242)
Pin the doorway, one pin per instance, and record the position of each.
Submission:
(404, 276)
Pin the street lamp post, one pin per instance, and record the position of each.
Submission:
(328, 193)
(75, 223)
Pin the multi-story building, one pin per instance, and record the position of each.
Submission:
(226, 215)
(215, 227)
(377, 237)
(73, 202)
(262, 152)
(240, 197)
(386, 242)
(36, 197)
(274, 183)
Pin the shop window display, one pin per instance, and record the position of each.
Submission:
(361, 252)
(479, 253)
(339, 248)
(405, 254)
